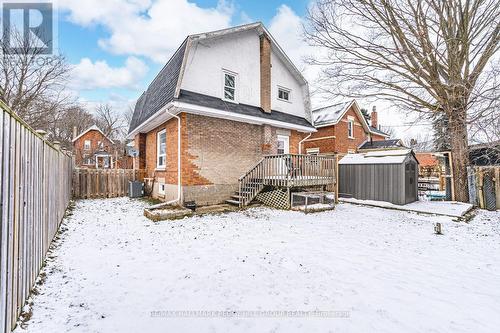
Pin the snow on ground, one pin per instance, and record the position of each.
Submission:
(450, 208)
(384, 268)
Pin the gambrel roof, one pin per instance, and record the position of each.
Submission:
(165, 88)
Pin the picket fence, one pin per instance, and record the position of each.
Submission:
(35, 180)
(103, 183)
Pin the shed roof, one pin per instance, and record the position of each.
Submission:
(382, 144)
(377, 157)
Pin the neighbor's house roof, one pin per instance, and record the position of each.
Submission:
(92, 128)
(427, 159)
(331, 115)
(378, 157)
(165, 88)
(485, 153)
(382, 144)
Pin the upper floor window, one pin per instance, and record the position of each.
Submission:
(161, 146)
(86, 145)
(284, 94)
(229, 86)
(350, 128)
(100, 144)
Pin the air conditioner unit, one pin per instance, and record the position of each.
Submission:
(135, 189)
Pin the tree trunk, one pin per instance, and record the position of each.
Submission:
(459, 153)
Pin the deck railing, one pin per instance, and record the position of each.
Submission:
(285, 171)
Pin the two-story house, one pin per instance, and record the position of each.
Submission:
(93, 149)
(342, 128)
(223, 101)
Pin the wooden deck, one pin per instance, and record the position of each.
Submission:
(287, 171)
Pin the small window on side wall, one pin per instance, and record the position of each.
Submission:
(229, 92)
(161, 146)
(86, 145)
(312, 151)
(161, 189)
(350, 128)
(284, 94)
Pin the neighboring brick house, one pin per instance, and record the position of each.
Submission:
(342, 128)
(93, 149)
(230, 97)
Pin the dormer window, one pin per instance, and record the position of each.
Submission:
(229, 86)
(284, 94)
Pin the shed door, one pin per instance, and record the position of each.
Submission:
(410, 182)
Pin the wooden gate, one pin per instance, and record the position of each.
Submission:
(103, 183)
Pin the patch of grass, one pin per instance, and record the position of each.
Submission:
(151, 200)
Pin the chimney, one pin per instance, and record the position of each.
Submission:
(75, 133)
(265, 73)
(374, 117)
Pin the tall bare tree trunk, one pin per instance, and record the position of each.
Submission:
(459, 152)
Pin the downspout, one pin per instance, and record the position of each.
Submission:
(301, 141)
(179, 186)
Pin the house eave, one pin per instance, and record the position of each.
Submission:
(177, 107)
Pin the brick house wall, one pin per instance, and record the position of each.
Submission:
(335, 139)
(214, 154)
(81, 153)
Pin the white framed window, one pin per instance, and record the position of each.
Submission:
(283, 145)
(161, 188)
(161, 149)
(86, 144)
(350, 128)
(100, 144)
(87, 160)
(229, 87)
(312, 151)
(284, 94)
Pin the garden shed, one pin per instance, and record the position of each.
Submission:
(390, 175)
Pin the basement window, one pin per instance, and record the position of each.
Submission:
(161, 146)
(284, 94)
(161, 189)
(229, 86)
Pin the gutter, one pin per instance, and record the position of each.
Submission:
(302, 141)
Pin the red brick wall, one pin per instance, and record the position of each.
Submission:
(341, 143)
(214, 152)
(94, 137)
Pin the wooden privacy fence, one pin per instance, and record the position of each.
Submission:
(35, 183)
(103, 183)
(484, 186)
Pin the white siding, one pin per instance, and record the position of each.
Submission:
(281, 76)
(239, 53)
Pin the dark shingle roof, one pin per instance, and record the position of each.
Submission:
(244, 109)
(377, 131)
(383, 144)
(161, 91)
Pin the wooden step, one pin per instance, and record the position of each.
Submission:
(233, 202)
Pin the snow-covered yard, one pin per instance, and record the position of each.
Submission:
(383, 270)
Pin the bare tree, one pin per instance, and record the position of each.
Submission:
(426, 55)
(31, 83)
(109, 121)
(389, 131)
